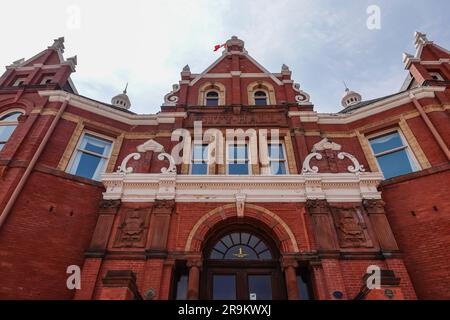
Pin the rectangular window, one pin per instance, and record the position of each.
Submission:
(19, 81)
(238, 159)
(199, 159)
(277, 159)
(393, 154)
(90, 157)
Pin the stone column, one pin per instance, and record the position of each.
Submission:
(194, 279)
(380, 224)
(289, 266)
(324, 230)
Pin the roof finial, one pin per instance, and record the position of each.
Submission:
(126, 87)
(345, 85)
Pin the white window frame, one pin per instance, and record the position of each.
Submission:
(438, 75)
(285, 160)
(206, 97)
(207, 160)
(267, 97)
(45, 79)
(409, 152)
(18, 80)
(99, 171)
(249, 155)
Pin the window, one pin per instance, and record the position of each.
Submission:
(20, 81)
(199, 159)
(240, 246)
(46, 79)
(90, 157)
(437, 76)
(277, 159)
(393, 154)
(260, 98)
(212, 99)
(238, 159)
(8, 123)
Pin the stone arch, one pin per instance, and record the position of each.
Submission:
(211, 85)
(22, 105)
(263, 86)
(285, 236)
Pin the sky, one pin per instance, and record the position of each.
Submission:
(147, 43)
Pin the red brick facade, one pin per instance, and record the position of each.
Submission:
(135, 232)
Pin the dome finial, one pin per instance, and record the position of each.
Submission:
(121, 100)
(350, 98)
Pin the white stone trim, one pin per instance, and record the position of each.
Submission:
(369, 110)
(111, 113)
(341, 187)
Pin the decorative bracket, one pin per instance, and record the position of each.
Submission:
(306, 164)
(356, 167)
(171, 99)
(240, 204)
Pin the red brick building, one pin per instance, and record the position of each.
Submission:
(182, 204)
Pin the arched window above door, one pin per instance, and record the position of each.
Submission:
(240, 246)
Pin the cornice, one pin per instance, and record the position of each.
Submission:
(111, 113)
(369, 110)
(341, 187)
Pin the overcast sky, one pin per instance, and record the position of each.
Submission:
(147, 43)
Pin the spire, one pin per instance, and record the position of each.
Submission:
(121, 100)
(58, 44)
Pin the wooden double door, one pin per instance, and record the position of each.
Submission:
(243, 282)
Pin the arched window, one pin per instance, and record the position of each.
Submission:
(240, 246)
(260, 98)
(8, 124)
(212, 99)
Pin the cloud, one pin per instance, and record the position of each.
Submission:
(146, 43)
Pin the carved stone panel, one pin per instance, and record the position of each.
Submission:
(351, 228)
(132, 231)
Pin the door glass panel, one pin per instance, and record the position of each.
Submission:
(224, 287)
(260, 287)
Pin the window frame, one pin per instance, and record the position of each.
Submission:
(9, 123)
(70, 166)
(437, 74)
(193, 160)
(206, 98)
(415, 165)
(285, 160)
(249, 157)
(267, 97)
(18, 79)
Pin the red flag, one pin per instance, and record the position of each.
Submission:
(218, 46)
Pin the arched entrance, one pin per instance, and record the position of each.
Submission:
(241, 261)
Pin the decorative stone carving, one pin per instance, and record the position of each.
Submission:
(150, 145)
(351, 228)
(356, 167)
(123, 167)
(109, 204)
(240, 204)
(373, 206)
(325, 144)
(172, 168)
(171, 99)
(306, 164)
(317, 206)
(132, 231)
(302, 98)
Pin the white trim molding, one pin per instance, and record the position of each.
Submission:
(111, 113)
(340, 187)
